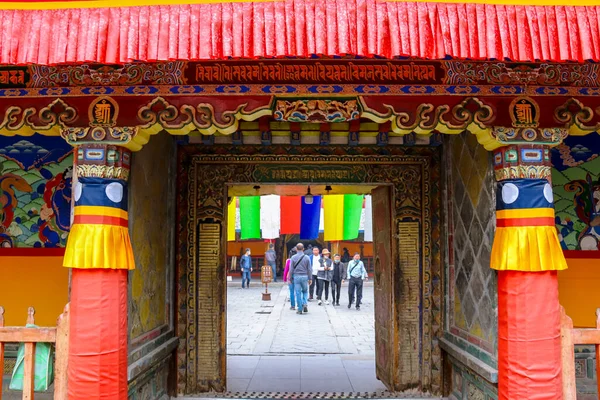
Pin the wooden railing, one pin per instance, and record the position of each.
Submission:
(570, 338)
(30, 336)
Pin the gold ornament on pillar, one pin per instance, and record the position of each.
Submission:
(526, 237)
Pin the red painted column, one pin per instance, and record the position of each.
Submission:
(99, 252)
(527, 254)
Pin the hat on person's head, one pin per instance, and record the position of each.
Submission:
(325, 251)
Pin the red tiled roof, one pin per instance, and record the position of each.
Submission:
(299, 28)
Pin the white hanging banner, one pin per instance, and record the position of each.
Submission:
(269, 216)
(322, 220)
(368, 229)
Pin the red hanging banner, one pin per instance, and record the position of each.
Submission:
(290, 214)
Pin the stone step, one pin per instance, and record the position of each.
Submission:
(313, 395)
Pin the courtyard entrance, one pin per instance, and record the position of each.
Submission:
(332, 347)
(272, 349)
(233, 343)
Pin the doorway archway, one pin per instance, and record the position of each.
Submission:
(409, 356)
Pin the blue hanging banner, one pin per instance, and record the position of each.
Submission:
(310, 217)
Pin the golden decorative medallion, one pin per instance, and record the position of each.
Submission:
(103, 112)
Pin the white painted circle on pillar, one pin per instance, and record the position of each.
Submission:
(78, 190)
(548, 194)
(114, 191)
(510, 193)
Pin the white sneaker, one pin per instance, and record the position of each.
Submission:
(327, 302)
(320, 302)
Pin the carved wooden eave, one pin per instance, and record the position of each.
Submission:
(412, 97)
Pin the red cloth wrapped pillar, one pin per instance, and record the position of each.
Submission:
(527, 255)
(529, 361)
(98, 338)
(99, 251)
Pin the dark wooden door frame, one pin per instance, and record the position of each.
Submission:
(203, 181)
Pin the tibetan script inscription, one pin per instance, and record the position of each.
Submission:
(307, 173)
(12, 77)
(316, 72)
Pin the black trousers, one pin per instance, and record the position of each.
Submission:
(336, 289)
(311, 290)
(322, 283)
(355, 284)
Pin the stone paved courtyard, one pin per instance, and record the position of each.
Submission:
(271, 348)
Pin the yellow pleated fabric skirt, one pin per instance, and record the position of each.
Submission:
(527, 248)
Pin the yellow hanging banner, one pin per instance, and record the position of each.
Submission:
(231, 210)
(334, 217)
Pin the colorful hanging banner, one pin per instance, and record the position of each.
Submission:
(310, 217)
(290, 207)
(250, 217)
(368, 228)
(270, 216)
(352, 209)
(334, 217)
(321, 219)
(231, 211)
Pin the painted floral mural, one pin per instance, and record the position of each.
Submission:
(35, 191)
(576, 181)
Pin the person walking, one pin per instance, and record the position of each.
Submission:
(314, 263)
(287, 278)
(346, 256)
(246, 267)
(301, 271)
(308, 251)
(338, 276)
(356, 274)
(271, 260)
(324, 275)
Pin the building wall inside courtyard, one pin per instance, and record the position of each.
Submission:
(471, 326)
(152, 224)
(35, 217)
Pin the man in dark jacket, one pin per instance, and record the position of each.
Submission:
(271, 260)
(339, 273)
(246, 267)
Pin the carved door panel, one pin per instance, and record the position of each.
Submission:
(385, 343)
(211, 302)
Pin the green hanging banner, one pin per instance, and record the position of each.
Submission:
(352, 210)
(250, 217)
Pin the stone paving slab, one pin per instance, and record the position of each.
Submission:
(257, 327)
(272, 349)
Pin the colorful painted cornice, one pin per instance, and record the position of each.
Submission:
(130, 121)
